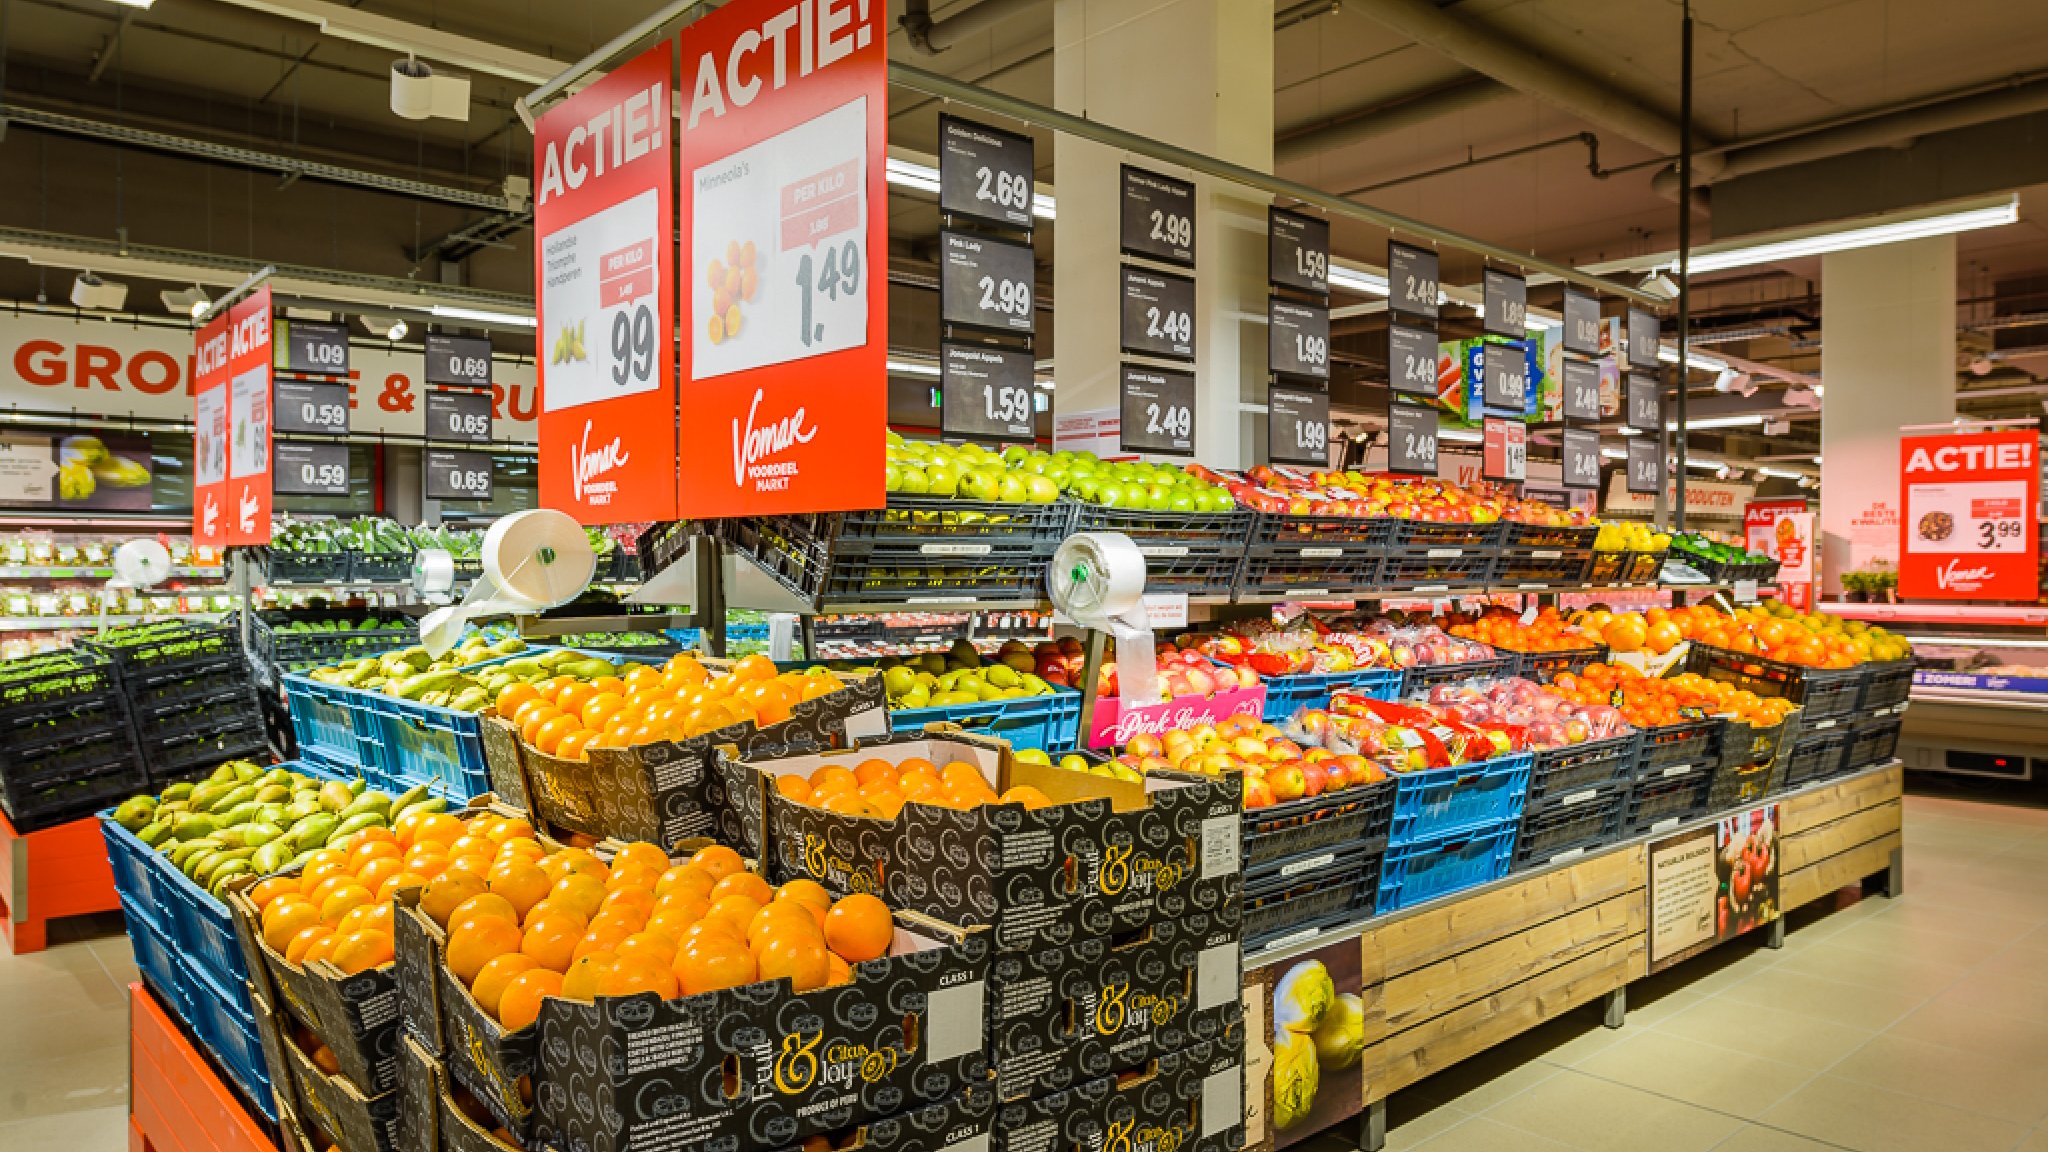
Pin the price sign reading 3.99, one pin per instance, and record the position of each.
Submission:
(1298, 426)
(463, 416)
(311, 469)
(986, 392)
(464, 361)
(309, 406)
(1158, 411)
(455, 475)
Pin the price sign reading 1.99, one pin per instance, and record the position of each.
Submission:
(463, 416)
(311, 469)
(456, 475)
(986, 392)
(1297, 339)
(1298, 426)
(464, 361)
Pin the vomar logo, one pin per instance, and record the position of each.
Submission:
(753, 447)
(1954, 575)
(590, 465)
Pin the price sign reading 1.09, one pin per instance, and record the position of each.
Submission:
(985, 283)
(1158, 317)
(1157, 217)
(985, 172)
(1297, 251)
(1298, 339)
(317, 348)
(455, 475)
(464, 416)
(1581, 458)
(464, 361)
(1298, 426)
(310, 406)
(986, 392)
(1411, 359)
(1411, 439)
(1581, 322)
(1645, 404)
(1581, 389)
(310, 469)
(1158, 411)
(1412, 285)
(1646, 464)
(1507, 303)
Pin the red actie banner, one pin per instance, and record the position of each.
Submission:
(210, 433)
(231, 422)
(784, 218)
(606, 270)
(1970, 528)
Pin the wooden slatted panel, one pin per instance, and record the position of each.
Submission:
(1413, 942)
(1815, 881)
(1802, 849)
(1845, 797)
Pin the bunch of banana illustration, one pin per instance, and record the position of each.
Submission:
(569, 344)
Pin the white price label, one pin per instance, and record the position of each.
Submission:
(1968, 518)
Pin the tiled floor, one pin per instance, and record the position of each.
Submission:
(1909, 1025)
(1917, 1024)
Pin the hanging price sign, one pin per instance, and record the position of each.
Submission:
(1505, 372)
(1158, 410)
(310, 406)
(1507, 304)
(1297, 251)
(1411, 439)
(1581, 322)
(1581, 458)
(986, 393)
(1645, 404)
(1297, 339)
(1581, 389)
(457, 475)
(1507, 450)
(1157, 217)
(464, 361)
(1646, 464)
(311, 469)
(1412, 285)
(316, 348)
(1411, 359)
(1642, 338)
(1297, 426)
(985, 283)
(464, 416)
(1158, 317)
(985, 172)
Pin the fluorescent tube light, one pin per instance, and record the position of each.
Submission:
(1461, 435)
(1614, 453)
(1668, 354)
(1358, 279)
(925, 178)
(1750, 420)
(1782, 474)
(482, 316)
(1869, 236)
(907, 368)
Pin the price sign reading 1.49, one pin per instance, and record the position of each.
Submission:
(1158, 411)
(1506, 450)
(311, 469)
(309, 406)
(456, 475)
(464, 361)
(464, 416)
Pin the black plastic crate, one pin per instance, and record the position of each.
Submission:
(1543, 667)
(1815, 756)
(1747, 744)
(380, 567)
(1286, 530)
(1643, 567)
(1607, 568)
(1872, 742)
(1418, 680)
(1515, 534)
(83, 746)
(1670, 798)
(274, 567)
(169, 757)
(664, 543)
(1348, 817)
(44, 740)
(1193, 552)
(1308, 570)
(34, 807)
(1560, 772)
(1436, 568)
(277, 650)
(1538, 568)
(1441, 534)
(1821, 692)
(1300, 895)
(166, 647)
(155, 689)
(33, 684)
(227, 705)
(1744, 784)
(1686, 742)
(1571, 825)
(1885, 685)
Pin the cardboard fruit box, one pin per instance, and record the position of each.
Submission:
(1189, 1100)
(326, 1101)
(667, 792)
(429, 1119)
(1106, 856)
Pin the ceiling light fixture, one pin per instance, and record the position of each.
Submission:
(908, 368)
(1668, 354)
(2005, 210)
(135, 3)
(1461, 435)
(89, 291)
(1358, 279)
(1745, 421)
(1781, 474)
(1658, 284)
(484, 316)
(389, 327)
(191, 301)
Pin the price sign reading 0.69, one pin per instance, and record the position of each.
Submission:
(464, 361)
(454, 475)
(310, 406)
(463, 416)
(311, 469)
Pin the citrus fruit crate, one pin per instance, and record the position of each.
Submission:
(1517, 535)
(1571, 825)
(1608, 568)
(1885, 683)
(1871, 742)
(277, 650)
(1816, 756)
(1358, 816)
(275, 567)
(1435, 866)
(1443, 534)
(1543, 667)
(1301, 895)
(1541, 568)
(1420, 678)
(1747, 744)
(1041, 722)
(1439, 801)
(1558, 772)
(166, 647)
(1686, 742)
(1670, 798)
(1288, 694)
(1821, 692)
(380, 567)
(1643, 567)
(1307, 570)
(1436, 568)
(1742, 784)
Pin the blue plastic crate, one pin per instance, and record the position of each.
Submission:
(1462, 796)
(1042, 722)
(1286, 695)
(1432, 867)
(323, 723)
(156, 954)
(134, 866)
(203, 929)
(399, 743)
(227, 1026)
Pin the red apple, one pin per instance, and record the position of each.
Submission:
(1287, 782)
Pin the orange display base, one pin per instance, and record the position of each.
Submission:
(176, 1103)
(47, 875)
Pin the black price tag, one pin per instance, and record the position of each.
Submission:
(1505, 384)
(1581, 389)
(1507, 304)
(1581, 322)
(1158, 217)
(1158, 411)
(1412, 285)
(986, 283)
(1411, 359)
(310, 469)
(1646, 464)
(1581, 458)
(985, 172)
(311, 406)
(1642, 338)
(986, 392)
(464, 361)
(315, 347)
(1298, 339)
(1158, 313)
(1297, 426)
(1411, 439)
(453, 474)
(463, 416)
(1298, 251)
(1645, 403)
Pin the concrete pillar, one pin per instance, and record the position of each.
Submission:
(1197, 74)
(1888, 360)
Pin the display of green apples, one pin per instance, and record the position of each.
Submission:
(961, 472)
(960, 676)
(1133, 484)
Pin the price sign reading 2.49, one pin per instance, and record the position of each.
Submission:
(1158, 411)
(464, 416)
(1158, 317)
(454, 475)
(464, 361)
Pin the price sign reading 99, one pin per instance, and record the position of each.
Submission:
(453, 475)
(461, 416)
(311, 469)
(464, 361)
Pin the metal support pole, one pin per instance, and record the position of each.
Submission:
(1895, 875)
(1684, 243)
(1775, 939)
(1372, 1127)
(710, 606)
(1091, 668)
(239, 573)
(1614, 1008)
(808, 625)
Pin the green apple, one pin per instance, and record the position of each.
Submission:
(1013, 490)
(892, 477)
(1181, 500)
(1041, 490)
(982, 484)
(914, 481)
(942, 480)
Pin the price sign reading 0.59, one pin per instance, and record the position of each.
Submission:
(986, 392)
(310, 406)
(985, 172)
(311, 469)
(1157, 217)
(464, 361)
(453, 475)
(1158, 411)
(463, 416)
(1412, 284)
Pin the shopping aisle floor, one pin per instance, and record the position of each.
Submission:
(1912, 1024)
(1908, 1025)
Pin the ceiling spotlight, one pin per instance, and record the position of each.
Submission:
(191, 301)
(1981, 366)
(417, 93)
(1657, 283)
(89, 291)
(389, 327)
(1730, 380)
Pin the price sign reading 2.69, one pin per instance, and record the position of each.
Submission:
(455, 475)
(464, 361)
(463, 416)
(985, 172)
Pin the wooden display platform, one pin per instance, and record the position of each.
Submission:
(176, 1101)
(1447, 980)
(47, 875)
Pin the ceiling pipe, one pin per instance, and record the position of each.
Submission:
(932, 37)
(346, 23)
(1355, 125)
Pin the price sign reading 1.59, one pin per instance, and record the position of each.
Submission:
(1581, 322)
(464, 416)
(1645, 404)
(309, 406)
(1158, 411)
(985, 283)
(1157, 218)
(986, 392)
(1581, 458)
(1158, 317)
(317, 348)
(1297, 251)
(1507, 303)
(455, 475)
(1411, 359)
(1581, 389)
(464, 361)
(1298, 339)
(1412, 284)
(1411, 439)
(310, 469)
(985, 172)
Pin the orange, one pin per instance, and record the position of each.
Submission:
(685, 880)
(573, 697)
(960, 774)
(794, 788)
(321, 950)
(522, 848)
(886, 803)
(526, 708)
(322, 864)
(743, 884)
(648, 945)
(586, 975)
(1026, 795)
(632, 975)
(514, 828)
(719, 860)
(837, 971)
(808, 891)
(870, 771)
(797, 953)
(611, 684)
(602, 936)
(580, 860)
(637, 903)
(369, 850)
(393, 885)
(362, 951)
(438, 828)
(578, 891)
(644, 854)
(918, 765)
(267, 890)
(519, 1004)
(368, 917)
(473, 843)
(520, 883)
(295, 950)
(513, 695)
(793, 911)
(472, 947)
(496, 976)
(754, 667)
(376, 872)
(712, 963)
(859, 928)
(550, 734)
(536, 718)
(643, 679)
(344, 899)
(576, 745)
(670, 922)
(736, 910)
(481, 905)
(551, 937)
(833, 777)
(633, 874)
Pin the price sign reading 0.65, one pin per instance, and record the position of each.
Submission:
(464, 361)
(464, 416)
(458, 475)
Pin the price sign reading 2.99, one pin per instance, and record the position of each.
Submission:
(1158, 411)
(464, 361)
(463, 416)
(455, 475)
(1157, 220)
